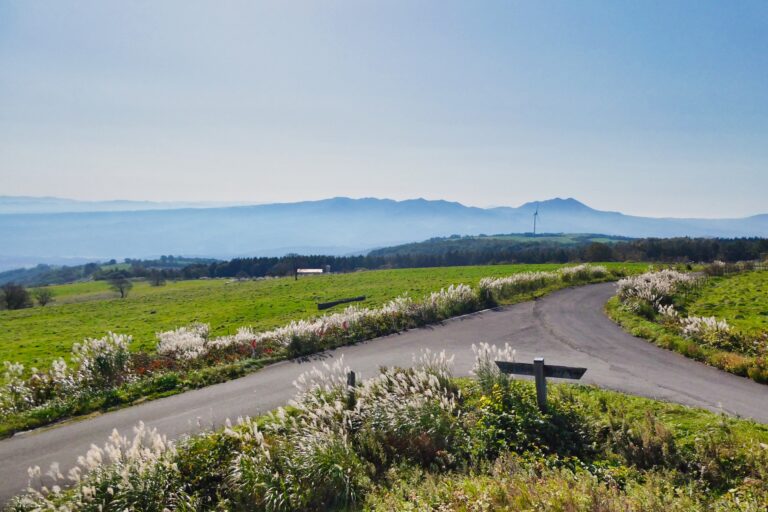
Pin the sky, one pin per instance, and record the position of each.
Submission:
(649, 108)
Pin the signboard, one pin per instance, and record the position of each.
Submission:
(550, 370)
(541, 371)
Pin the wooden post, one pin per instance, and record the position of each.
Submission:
(541, 383)
(540, 371)
(350, 389)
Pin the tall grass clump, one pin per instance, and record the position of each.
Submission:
(126, 474)
(502, 288)
(485, 369)
(98, 364)
(323, 453)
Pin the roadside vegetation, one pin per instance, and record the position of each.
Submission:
(102, 373)
(418, 439)
(719, 318)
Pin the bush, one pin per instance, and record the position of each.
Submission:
(509, 419)
(759, 370)
(722, 461)
(14, 296)
(43, 296)
(645, 444)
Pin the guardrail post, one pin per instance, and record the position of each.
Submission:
(541, 383)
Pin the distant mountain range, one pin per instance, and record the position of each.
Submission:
(24, 204)
(47, 229)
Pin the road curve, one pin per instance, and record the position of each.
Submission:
(566, 327)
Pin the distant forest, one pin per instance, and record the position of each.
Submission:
(50, 274)
(446, 252)
(437, 252)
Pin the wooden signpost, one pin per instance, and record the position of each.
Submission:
(540, 372)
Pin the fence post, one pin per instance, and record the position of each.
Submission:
(350, 389)
(541, 383)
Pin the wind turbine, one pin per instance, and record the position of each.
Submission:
(535, 217)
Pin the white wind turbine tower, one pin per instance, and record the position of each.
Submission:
(535, 218)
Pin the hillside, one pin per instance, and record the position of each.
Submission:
(495, 243)
(331, 226)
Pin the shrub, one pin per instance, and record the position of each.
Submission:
(582, 272)
(43, 296)
(721, 460)
(14, 296)
(317, 455)
(646, 444)
(708, 330)
(759, 370)
(523, 282)
(59, 381)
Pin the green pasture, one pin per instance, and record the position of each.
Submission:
(741, 299)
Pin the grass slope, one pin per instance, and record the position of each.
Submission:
(741, 299)
(634, 472)
(38, 335)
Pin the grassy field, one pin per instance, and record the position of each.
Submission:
(741, 299)
(37, 335)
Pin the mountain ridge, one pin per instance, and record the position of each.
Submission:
(338, 226)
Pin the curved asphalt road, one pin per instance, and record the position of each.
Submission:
(567, 327)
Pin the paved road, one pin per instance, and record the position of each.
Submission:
(566, 327)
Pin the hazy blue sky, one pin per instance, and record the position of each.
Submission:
(653, 108)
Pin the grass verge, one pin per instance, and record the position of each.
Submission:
(636, 325)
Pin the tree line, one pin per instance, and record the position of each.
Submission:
(42, 274)
(469, 252)
(438, 252)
